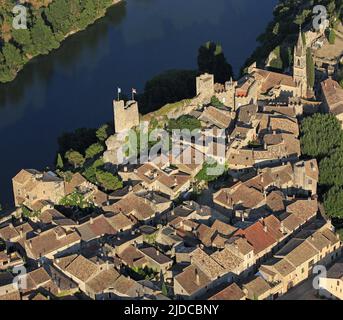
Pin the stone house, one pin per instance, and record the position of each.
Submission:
(31, 185)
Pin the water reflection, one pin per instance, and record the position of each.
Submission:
(73, 86)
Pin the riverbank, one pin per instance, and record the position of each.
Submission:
(22, 46)
(73, 87)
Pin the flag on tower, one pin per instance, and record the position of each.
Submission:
(134, 91)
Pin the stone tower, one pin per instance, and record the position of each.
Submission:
(300, 67)
(126, 116)
(205, 85)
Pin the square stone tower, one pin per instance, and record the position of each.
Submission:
(205, 85)
(126, 116)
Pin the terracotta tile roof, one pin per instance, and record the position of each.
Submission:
(223, 228)
(205, 234)
(240, 194)
(228, 260)
(76, 180)
(192, 279)
(25, 175)
(50, 241)
(220, 118)
(259, 238)
(273, 79)
(303, 209)
(131, 256)
(39, 277)
(119, 221)
(78, 266)
(141, 208)
(155, 255)
(207, 264)
(275, 201)
(103, 281)
(127, 287)
(96, 227)
(257, 287)
(333, 94)
(292, 222)
(232, 292)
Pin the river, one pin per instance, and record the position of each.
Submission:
(74, 86)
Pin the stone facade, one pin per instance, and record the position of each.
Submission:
(126, 116)
(300, 67)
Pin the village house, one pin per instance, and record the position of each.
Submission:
(142, 207)
(52, 242)
(31, 185)
(169, 182)
(295, 261)
(332, 94)
(331, 284)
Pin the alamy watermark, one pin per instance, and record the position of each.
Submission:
(178, 147)
(320, 21)
(20, 18)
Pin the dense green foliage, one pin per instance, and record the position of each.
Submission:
(211, 59)
(322, 138)
(94, 150)
(276, 63)
(184, 122)
(333, 202)
(331, 35)
(75, 158)
(168, 87)
(75, 199)
(108, 180)
(284, 29)
(208, 176)
(331, 173)
(321, 135)
(48, 24)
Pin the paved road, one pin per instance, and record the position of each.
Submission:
(304, 291)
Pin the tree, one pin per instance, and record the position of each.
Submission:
(330, 168)
(12, 56)
(42, 37)
(184, 122)
(109, 181)
(321, 135)
(75, 158)
(331, 36)
(93, 150)
(333, 202)
(75, 199)
(211, 59)
(276, 62)
(90, 172)
(168, 87)
(310, 69)
(164, 289)
(59, 162)
(103, 132)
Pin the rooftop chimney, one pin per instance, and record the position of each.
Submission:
(197, 278)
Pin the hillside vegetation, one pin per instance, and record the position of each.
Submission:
(49, 22)
(284, 29)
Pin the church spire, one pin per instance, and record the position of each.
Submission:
(300, 44)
